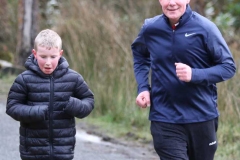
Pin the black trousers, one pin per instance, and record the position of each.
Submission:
(193, 141)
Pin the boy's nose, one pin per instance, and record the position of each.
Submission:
(48, 61)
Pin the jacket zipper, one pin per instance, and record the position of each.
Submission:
(173, 41)
(51, 117)
(26, 139)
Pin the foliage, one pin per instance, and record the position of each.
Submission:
(97, 35)
(99, 48)
(231, 7)
(234, 9)
(8, 25)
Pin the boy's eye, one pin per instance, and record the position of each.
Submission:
(46, 57)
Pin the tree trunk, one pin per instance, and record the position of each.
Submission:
(198, 6)
(27, 29)
(3, 19)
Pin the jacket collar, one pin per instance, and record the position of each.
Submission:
(31, 64)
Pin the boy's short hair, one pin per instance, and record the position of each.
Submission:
(49, 39)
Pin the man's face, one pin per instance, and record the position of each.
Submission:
(47, 59)
(174, 9)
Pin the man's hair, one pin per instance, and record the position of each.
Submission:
(49, 39)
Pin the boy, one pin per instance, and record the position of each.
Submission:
(46, 98)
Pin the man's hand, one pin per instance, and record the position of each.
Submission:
(143, 99)
(184, 72)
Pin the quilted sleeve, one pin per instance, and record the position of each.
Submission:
(82, 103)
(17, 106)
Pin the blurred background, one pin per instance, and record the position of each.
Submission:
(97, 35)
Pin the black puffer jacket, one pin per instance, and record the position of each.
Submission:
(46, 106)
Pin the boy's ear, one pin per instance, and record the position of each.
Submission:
(61, 52)
(34, 53)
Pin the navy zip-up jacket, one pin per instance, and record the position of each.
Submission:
(46, 106)
(196, 42)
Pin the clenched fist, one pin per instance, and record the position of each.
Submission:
(143, 99)
(184, 72)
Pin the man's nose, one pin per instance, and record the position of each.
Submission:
(171, 1)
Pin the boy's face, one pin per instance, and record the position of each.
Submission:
(47, 59)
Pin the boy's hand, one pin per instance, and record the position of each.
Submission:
(143, 99)
(184, 72)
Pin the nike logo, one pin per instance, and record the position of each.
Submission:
(212, 143)
(187, 35)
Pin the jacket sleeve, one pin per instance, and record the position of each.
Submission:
(141, 61)
(17, 106)
(82, 103)
(223, 67)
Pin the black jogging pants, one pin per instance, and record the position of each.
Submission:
(193, 141)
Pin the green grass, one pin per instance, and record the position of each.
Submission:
(228, 134)
(123, 130)
(229, 138)
(6, 82)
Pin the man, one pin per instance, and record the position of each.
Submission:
(187, 56)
